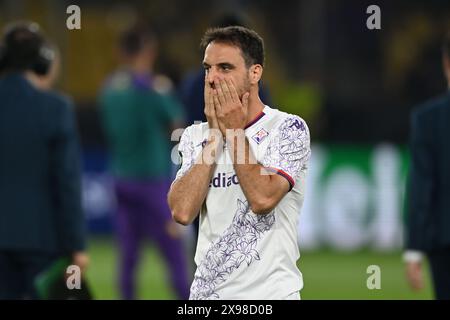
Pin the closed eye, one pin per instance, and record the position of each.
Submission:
(226, 66)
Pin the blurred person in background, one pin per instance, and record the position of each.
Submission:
(138, 121)
(428, 206)
(40, 198)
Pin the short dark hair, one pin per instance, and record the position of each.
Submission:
(446, 45)
(250, 43)
(24, 47)
(133, 40)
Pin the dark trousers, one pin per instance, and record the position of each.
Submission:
(18, 270)
(439, 261)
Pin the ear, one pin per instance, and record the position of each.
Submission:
(256, 72)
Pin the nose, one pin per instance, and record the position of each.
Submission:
(211, 74)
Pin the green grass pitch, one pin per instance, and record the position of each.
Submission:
(327, 274)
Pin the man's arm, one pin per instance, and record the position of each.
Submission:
(188, 192)
(421, 181)
(262, 188)
(66, 176)
(285, 156)
(420, 186)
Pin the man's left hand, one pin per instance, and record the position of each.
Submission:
(230, 110)
(414, 275)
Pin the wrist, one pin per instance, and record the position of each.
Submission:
(211, 150)
(234, 136)
(412, 256)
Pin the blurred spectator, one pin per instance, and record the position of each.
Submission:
(40, 206)
(137, 121)
(428, 216)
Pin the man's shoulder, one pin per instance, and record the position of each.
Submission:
(56, 100)
(432, 107)
(197, 129)
(281, 119)
(119, 80)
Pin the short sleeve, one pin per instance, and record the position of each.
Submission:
(186, 151)
(289, 149)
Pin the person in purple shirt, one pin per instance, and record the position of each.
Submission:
(137, 120)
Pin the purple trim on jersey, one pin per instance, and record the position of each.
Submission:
(284, 175)
(259, 116)
(142, 81)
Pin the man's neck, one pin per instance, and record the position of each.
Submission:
(35, 80)
(140, 67)
(255, 107)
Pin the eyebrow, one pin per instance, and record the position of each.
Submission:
(222, 65)
(226, 64)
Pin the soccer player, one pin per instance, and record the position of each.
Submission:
(243, 171)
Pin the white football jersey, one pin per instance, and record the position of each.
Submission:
(242, 255)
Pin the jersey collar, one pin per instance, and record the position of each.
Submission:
(256, 119)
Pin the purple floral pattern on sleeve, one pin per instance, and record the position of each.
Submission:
(236, 247)
(186, 149)
(289, 149)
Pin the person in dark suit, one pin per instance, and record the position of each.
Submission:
(40, 206)
(428, 202)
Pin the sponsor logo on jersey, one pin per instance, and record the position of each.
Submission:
(224, 180)
(298, 125)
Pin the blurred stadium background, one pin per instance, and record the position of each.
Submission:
(355, 87)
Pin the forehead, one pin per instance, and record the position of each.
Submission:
(219, 52)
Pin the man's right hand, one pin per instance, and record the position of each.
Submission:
(81, 259)
(414, 275)
(210, 111)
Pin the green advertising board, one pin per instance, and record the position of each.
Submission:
(354, 197)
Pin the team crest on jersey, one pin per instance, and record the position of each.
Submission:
(260, 136)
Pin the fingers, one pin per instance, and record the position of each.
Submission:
(209, 102)
(226, 95)
(210, 105)
(218, 111)
(216, 101)
(226, 89)
(208, 90)
(210, 112)
(414, 275)
(416, 282)
(232, 89)
(220, 93)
